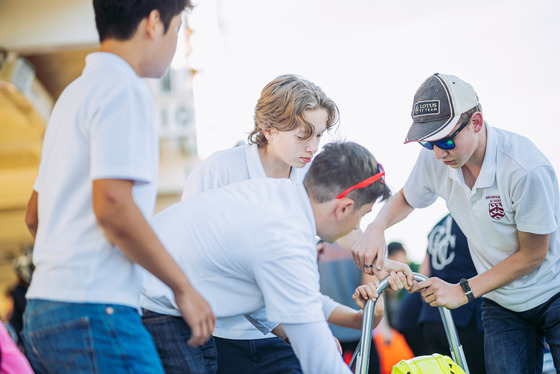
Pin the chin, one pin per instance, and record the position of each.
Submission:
(330, 238)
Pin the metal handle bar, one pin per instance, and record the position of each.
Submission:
(361, 354)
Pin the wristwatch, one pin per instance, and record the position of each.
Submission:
(467, 290)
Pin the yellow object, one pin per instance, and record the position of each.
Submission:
(435, 363)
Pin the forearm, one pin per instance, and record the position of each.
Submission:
(348, 241)
(345, 316)
(532, 251)
(506, 271)
(369, 251)
(126, 227)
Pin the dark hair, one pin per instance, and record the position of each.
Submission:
(282, 106)
(468, 114)
(394, 247)
(119, 19)
(341, 165)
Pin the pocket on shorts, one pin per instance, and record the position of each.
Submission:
(66, 346)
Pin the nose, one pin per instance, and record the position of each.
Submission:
(440, 153)
(312, 145)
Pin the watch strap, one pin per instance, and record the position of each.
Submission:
(467, 290)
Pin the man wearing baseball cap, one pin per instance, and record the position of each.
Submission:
(503, 193)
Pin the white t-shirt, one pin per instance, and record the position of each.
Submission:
(221, 169)
(517, 190)
(272, 264)
(101, 127)
(273, 261)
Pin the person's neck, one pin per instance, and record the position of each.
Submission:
(273, 167)
(125, 50)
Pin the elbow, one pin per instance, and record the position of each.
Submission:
(109, 214)
(538, 260)
(111, 223)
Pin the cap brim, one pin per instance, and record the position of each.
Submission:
(430, 131)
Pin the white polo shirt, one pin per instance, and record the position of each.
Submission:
(272, 262)
(229, 166)
(101, 127)
(221, 169)
(517, 190)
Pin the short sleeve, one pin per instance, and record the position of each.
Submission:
(329, 305)
(533, 201)
(122, 134)
(419, 189)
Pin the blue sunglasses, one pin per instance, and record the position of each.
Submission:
(445, 143)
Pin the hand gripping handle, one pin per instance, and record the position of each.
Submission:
(361, 354)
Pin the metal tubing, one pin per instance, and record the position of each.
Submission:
(361, 355)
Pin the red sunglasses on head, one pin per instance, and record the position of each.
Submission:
(366, 182)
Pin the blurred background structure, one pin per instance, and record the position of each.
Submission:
(369, 56)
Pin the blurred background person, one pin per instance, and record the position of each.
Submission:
(449, 259)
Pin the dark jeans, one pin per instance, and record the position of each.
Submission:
(472, 340)
(514, 341)
(259, 356)
(170, 335)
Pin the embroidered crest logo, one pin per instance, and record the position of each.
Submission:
(495, 208)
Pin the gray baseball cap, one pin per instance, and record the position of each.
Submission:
(438, 104)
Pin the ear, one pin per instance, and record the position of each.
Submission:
(153, 24)
(478, 121)
(267, 133)
(343, 207)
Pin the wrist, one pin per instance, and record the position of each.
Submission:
(464, 284)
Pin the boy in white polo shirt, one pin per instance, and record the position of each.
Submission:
(273, 223)
(96, 186)
(503, 193)
(291, 116)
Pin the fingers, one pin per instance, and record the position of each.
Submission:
(400, 267)
(366, 292)
(371, 291)
(364, 262)
(368, 251)
(396, 281)
(380, 262)
(358, 299)
(418, 286)
(363, 293)
(410, 278)
(357, 256)
(379, 308)
(201, 332)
